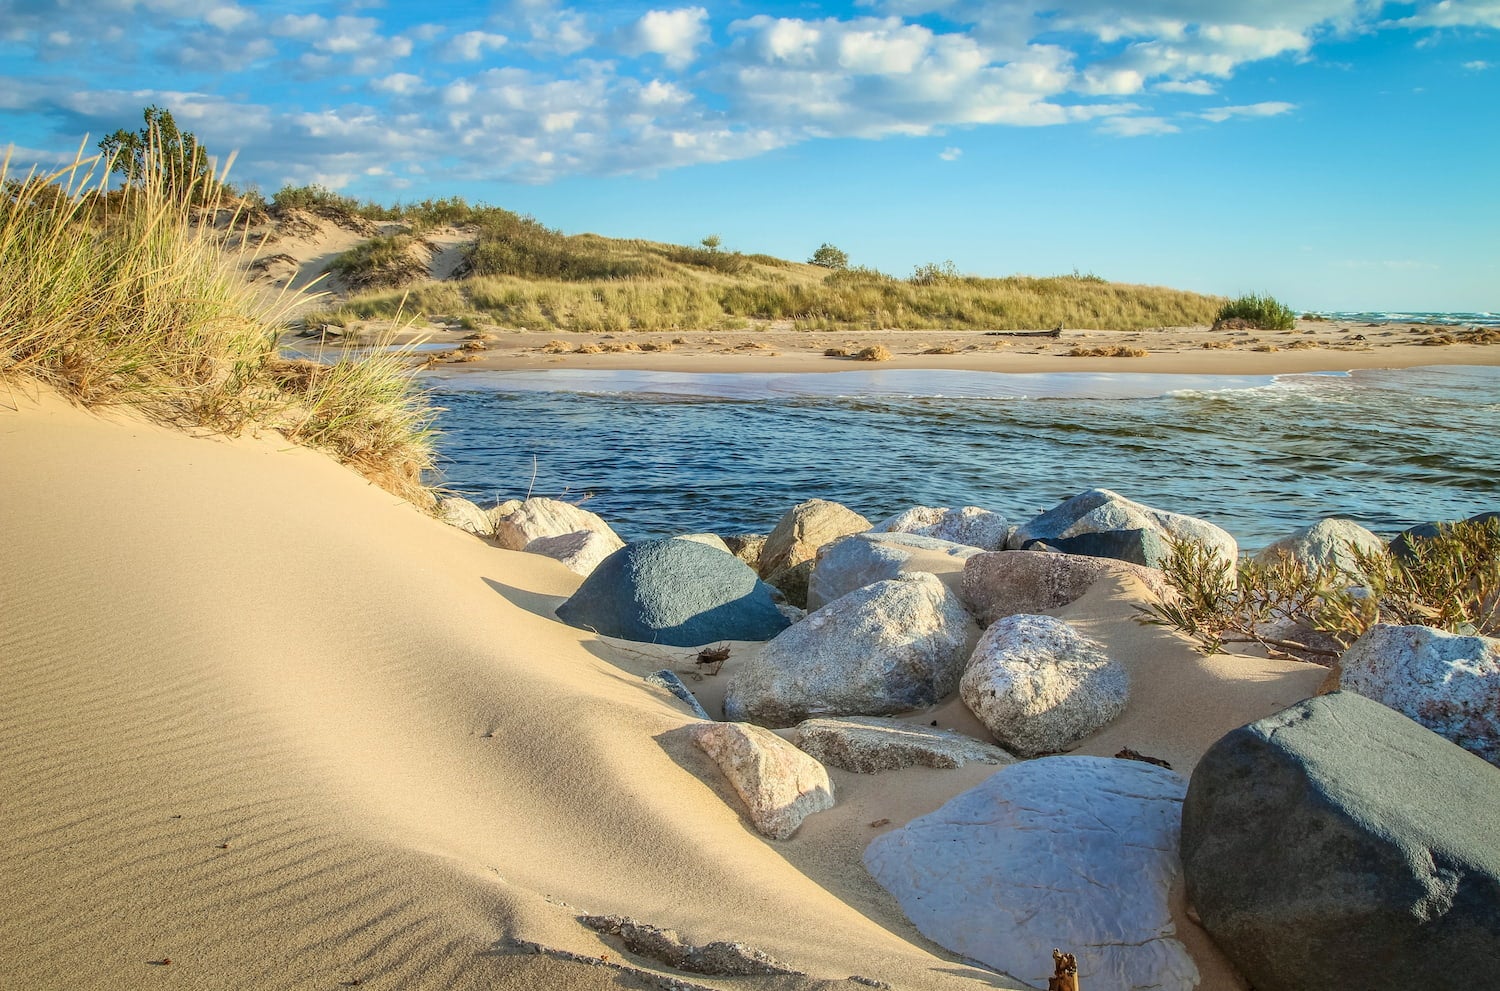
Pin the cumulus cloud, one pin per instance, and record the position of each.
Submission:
(1192, 87)
(1135, 127)
(1478, 65)
(471, 45)
(951, 154)
(1454, 14)
(675, 35)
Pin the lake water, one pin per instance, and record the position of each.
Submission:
(664, 453)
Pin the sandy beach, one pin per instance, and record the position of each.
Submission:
(265, 721)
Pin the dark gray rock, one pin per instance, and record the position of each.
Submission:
(1100, 511)
(1402, 543)
(1147, 548)
(667, 678)
(1338, 844)
(675, 592)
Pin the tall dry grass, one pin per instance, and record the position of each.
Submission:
(128, 298)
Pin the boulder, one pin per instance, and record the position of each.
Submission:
(539, 517)
(1039, 685)
(862, 559)
(674, 592)
(886, 648)
(460, 512)
(706, 539)
(667, 678)
(1326, 542)
(792, 583)
(1404, 541)
(579, 552)
(1100, 511)
(1446, 682)
(1006, 583)
(969, 525)
(779, 784)
(746, 547)
(806, 527)
(1144, 546)
(1338, 844)
(869, 744)
(1079, 852)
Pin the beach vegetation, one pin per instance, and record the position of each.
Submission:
(934, 273)
(1256, 312)
(162, 154)
(141, 306)
(1450, 581)
(828, 256)
(382, 262)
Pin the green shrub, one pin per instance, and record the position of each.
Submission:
(828, 256)
(382, 263)
(1450, 582)
(1260, 312)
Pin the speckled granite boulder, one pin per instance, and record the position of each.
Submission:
(579, 552)
(779, 784)
(969, 525)
(674, 592)
(1446, 682)
(1003, 584)
(868, 744)
(1039, 685)
(1102, 512)
(803, 529)
(886, 648)
(1078, 852)
(862, 559)
(1326, 542)
(1338, 844)
(460, 512)
(539, 517)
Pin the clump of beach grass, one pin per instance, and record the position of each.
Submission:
(1108, 351)
(127, 298)
(1255, 311)
(876, 352)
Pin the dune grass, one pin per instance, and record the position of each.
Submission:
(127, 298)
(1260, 312)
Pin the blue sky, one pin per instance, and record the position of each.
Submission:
(1340, 154)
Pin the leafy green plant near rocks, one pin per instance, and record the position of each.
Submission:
(1255, 311)
(1450, 582)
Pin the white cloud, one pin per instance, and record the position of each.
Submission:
(399, 83)
(471, 45)
(1135, 127)
(1269, 109)
(1478, 65)
(1192, 87)
(228, 17)
(673, 34)
(1455, 13)
(951, 154)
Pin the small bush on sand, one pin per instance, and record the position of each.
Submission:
(139, 306)
(383, 263)
(1450, 582)
(1260, 312)
(828, 256)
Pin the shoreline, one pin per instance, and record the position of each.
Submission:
(1315, 346)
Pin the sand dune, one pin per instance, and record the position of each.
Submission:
(261, 719)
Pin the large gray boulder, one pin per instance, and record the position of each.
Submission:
(862, 559)
(779, 784)
(1446, 682)
(802, 530)
(1003, 584)
(1338, 844)
(675, 592)
(886, 648)
(540, 517)
(1039, 685)
(1326, 542)
(968, 525)
(869, 744)
(1077, 852)
(1102, 523)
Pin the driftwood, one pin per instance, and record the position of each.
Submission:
(1055, 332)
(1066, 966)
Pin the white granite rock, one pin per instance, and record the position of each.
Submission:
(1326, 542)
(1446, 682)
(1002, 584)
(1100, 511)
(886, 648)
(802, 530)
(862, 559)
(1039, 685)
(460, 512)
(779, 784)
(540, 517)
(968, 525)
(1077, 852)
(869, 744)
(580, 552)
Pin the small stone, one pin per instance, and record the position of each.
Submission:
(870, 744)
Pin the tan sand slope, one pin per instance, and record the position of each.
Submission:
(262, 720)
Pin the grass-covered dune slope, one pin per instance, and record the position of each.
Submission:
(517, 272)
